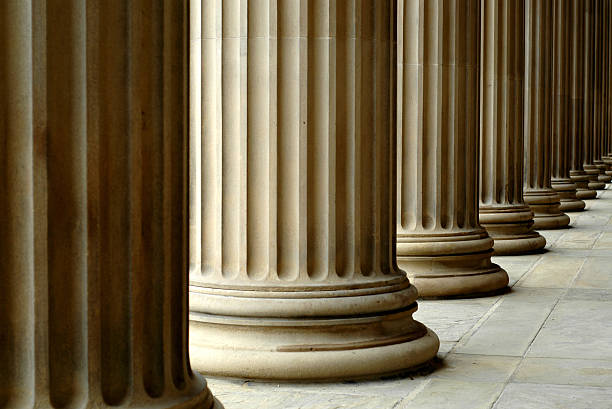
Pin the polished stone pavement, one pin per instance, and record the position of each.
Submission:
(546, 343)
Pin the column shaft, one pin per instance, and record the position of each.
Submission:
(295, 277)
(561, 181)
(577, 106)
(92, 207)
(600, 92)
(440, 242)
(589, 97)
(503, 212)
(605, 141)
(538, 193)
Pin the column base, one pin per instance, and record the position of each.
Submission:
(308, 335)
(566, 190)
(586, 194)
(450, 264)
(602, 167)
(593, 173)
(511, 228)
(581, 179)
(545, 205)
(607, 160)
(205, 400)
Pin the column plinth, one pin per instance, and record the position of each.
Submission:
(92, 207)
(538, 192)
(504, 214)
(293, 270)
(440, 244)
(561, 181)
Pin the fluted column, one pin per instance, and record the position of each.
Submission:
(605, 142)
(577, 173)
(92, 207)
(589, 97)
(538, 193)
(561, 181)
(503, 212)
(599, 69)
(440, 242)
(295, 276)
(608, 108)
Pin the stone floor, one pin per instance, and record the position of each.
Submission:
(547, 343)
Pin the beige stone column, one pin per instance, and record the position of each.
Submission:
(296, 276)
(577, 173)
(503, 212)
(561, 181)
(92, 207)
(589, 98)
(440, 242)
(538, 193)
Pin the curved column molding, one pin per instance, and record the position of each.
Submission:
(589, 98)
(294, 276)
(538, 193)
(503, 212)
(561, 181)
(576, 129)
(92, 207)
(440, 242)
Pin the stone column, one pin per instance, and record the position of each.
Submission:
(440, 242)
(605, 141)
(608, 107)
(503, 212)
(589, 97)
(599, 67)
(538, 193)
(577, 173)
(296, 276)
(561, 181)
(92, 207)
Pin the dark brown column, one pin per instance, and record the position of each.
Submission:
(561, 143)
(577, 173)
(589, 97)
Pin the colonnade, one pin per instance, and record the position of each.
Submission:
(328, 167)
(313, 166)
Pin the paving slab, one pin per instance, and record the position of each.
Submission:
(538, 396)
(512, 326)
(576, 329)
(452, 394)
(564, 372)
